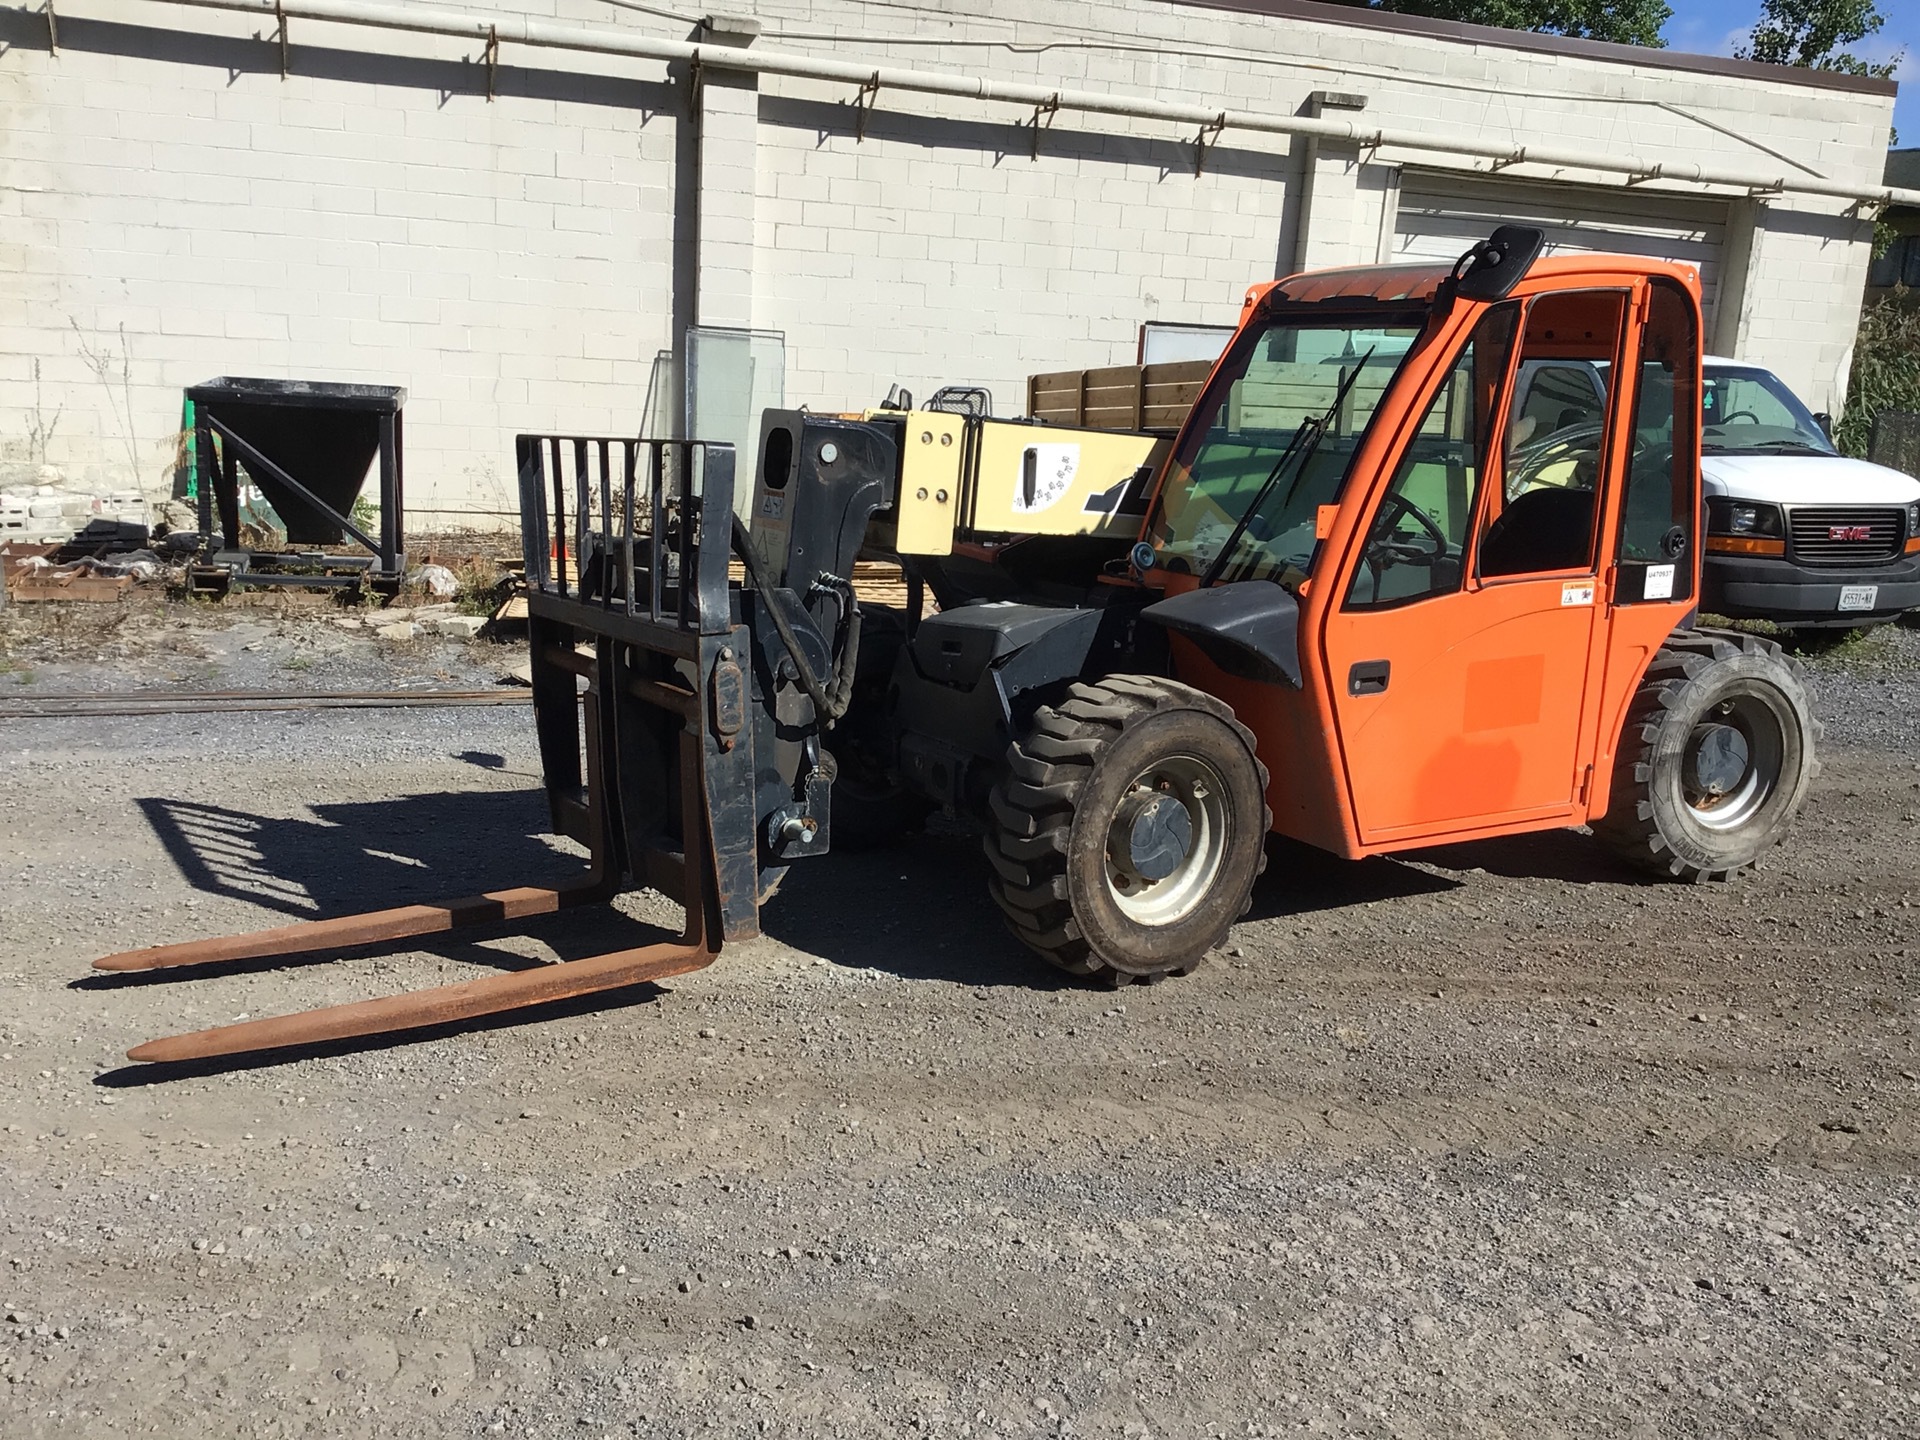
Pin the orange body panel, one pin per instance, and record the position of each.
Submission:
(1507, 697)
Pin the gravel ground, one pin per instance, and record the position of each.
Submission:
(1493, 1140)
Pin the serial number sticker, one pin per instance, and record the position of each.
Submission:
(1858, 597)
(1659, 583)
(1577, 592)
(773, 505)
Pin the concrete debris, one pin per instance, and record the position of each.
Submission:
(399, 630)
(457, 627)
(49, 513)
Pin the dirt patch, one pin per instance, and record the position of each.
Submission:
(1491, 1140)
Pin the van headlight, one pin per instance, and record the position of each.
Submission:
(1742, 517)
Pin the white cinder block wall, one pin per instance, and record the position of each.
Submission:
(172, 209)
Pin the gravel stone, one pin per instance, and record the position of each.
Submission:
(1490, 1218)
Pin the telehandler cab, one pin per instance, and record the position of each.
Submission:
(1363, 600)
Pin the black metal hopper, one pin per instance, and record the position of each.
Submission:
(307, 444)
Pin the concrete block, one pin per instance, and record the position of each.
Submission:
(458, 627)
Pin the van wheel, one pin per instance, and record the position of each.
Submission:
(1715, 758)
(1129, 829)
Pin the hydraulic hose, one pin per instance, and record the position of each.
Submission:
(828, 704)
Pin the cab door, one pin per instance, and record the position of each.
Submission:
(1460, 652)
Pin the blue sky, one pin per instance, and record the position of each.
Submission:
(1714, 27)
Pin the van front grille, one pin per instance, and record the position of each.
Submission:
(1844, 534)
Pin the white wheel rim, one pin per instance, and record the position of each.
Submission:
(1198, 789)
(1739, 803)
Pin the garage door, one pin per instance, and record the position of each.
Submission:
(1440, 216)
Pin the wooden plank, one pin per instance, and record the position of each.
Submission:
(107, 589)
(1058, 382)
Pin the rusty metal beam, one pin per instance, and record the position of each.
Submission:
(351, 930)
(421, 1008)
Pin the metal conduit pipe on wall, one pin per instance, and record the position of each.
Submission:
(521, 30)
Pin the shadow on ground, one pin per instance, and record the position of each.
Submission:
(917, 909)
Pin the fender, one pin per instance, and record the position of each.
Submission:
(1250, 628)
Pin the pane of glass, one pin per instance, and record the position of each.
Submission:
(1281, 381)
(1910, 265)
(1660, 475)
(1555, 437)
(1749, 411)
(1419, 533)
(733, 377)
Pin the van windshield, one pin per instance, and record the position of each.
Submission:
(1751, 412)
(1273, 378)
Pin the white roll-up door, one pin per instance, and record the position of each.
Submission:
(1441, 215)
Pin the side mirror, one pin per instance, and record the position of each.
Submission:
(1825, 422)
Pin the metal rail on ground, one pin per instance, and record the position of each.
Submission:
(109, 704)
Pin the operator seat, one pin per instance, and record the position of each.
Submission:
(1546, 529)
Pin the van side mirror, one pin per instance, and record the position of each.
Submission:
(1825, 422)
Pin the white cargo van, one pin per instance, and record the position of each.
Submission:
(1796, 533)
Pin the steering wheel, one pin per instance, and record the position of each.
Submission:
(1525, 466)
(1402, 551)
(1736, 415)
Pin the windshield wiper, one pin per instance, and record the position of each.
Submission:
(1757, 447)
(1311, 432)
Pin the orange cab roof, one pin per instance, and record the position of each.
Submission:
(1416, 283)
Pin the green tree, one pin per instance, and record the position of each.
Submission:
(1886, 371)
(1814, 33)
(1627, 22)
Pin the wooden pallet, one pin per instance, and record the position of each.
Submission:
(1119, 397)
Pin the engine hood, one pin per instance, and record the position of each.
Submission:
(1806, 480)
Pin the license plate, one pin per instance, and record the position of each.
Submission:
(1858, 597)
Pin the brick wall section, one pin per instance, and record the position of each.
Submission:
(173, 210)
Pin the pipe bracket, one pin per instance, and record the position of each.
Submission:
(1043, 120)
(1209, 135)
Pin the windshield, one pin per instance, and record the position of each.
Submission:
(1750, 412)
(1275, 377)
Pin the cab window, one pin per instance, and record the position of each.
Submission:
(1543, 517)
(1657, 512)
(1415, 545)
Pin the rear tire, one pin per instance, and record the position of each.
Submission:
(1129, 829)
(1715, 758)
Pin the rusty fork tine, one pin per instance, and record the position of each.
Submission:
(350, 930)
(488, 995)
(420, 1008)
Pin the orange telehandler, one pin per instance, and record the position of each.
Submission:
(1376, 594)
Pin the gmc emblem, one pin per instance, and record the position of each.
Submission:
(1849, 532)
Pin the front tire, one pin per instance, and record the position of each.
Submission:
(1129, 829)
(1715, 759)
